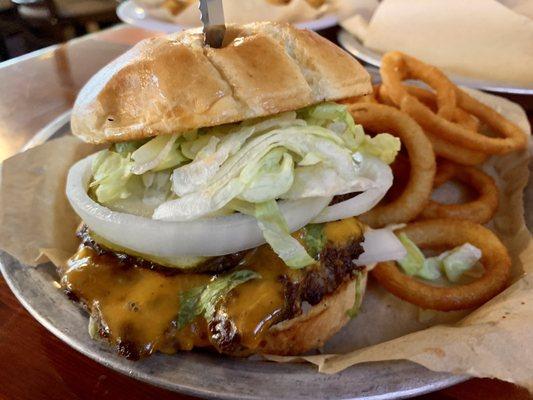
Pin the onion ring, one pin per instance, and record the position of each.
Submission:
(459, 115)
(395, 67)
(466, 120)
(445, 172)
(444, 148)
(381, 118)
(468, 139)
(453, 152)
(202, 237)
(449, 233)
(480, 210)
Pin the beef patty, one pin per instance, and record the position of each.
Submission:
(134, 303)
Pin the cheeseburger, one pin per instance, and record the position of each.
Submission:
(221, 212)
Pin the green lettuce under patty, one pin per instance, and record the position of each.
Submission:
(202, 300)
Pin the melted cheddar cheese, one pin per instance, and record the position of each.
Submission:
(137, 307)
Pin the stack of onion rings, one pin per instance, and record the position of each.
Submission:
(449, 119)
(381, 118)
(396, 67)
(455, 153)
(448, 233)
(443, 148)
(480, 210)
(427, 97)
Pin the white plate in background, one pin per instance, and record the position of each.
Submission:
(132, 14)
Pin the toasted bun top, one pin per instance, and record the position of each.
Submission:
(173, 84)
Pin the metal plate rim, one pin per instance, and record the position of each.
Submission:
(183, 387)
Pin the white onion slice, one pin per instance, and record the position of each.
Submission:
(381, 245)
(204, 237)
(373, 169)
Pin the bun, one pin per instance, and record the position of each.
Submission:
(314, 328)
(174, 84)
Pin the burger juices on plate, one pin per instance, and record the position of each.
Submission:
(222, 212)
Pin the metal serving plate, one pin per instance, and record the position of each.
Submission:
(202, 373)
(351, 44)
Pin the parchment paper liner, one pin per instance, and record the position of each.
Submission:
(496, 340)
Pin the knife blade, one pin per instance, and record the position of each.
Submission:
(212, 13)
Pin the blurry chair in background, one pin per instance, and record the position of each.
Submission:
(9, 26)
(66, 16)
(52, 21)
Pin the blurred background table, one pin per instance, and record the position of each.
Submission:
(34, 89)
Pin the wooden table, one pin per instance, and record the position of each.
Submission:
(34, 364)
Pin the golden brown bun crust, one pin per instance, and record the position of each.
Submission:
(313, 329)
(173, 84)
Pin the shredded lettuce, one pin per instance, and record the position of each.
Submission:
(310, 159)
(244, 207)
(274, 177)
(226, 184)
(111, 173)
(158, 150)
(384, 146)
(453, 263)
(460, 260)
(243, 167)
(125, 148)
(192, 147)
(360, 286)
(414, 259)
(415, 263)
(172, 159)
(202, 300)
(209, 159)
(314, 239)
(321, 181)
(277, 235)
(116, 186)
(337, 118)
(93, 327)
